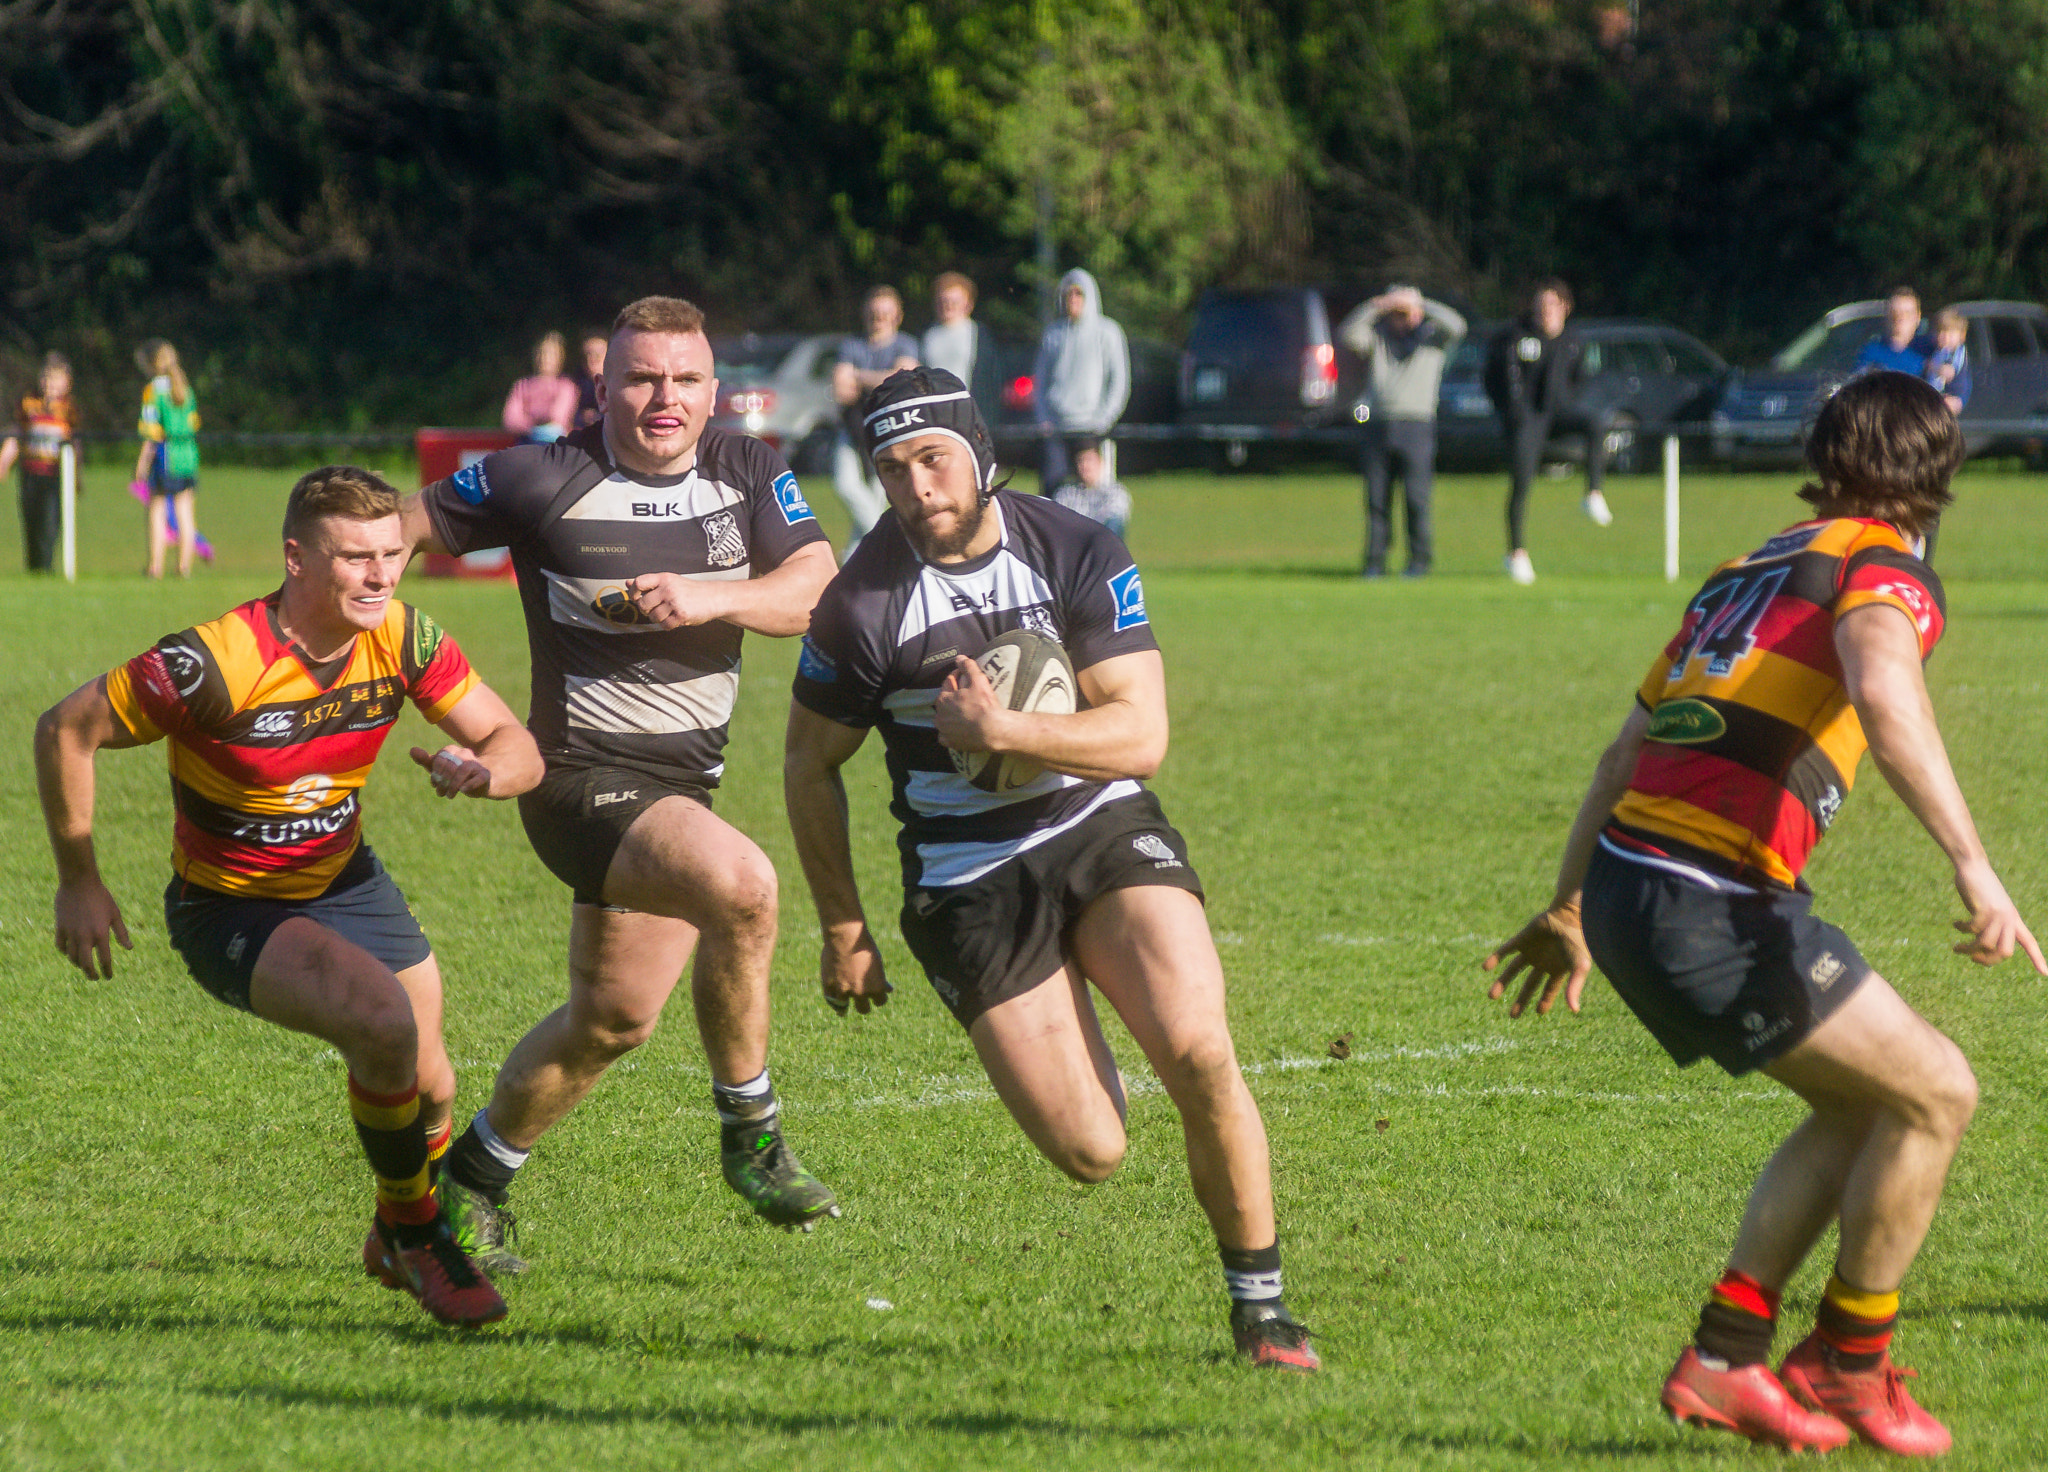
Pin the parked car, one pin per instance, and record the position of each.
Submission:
(778, 387)
(1635, 373)
(1264, 360)
(1761, 416)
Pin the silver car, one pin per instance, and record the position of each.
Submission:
(777, 386)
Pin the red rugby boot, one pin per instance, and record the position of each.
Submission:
(1267, 1335)
(436, 1272)
(1748, 1401)
(1873, 1403)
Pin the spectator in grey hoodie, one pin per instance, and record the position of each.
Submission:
(1082, 377)
(1404, 338)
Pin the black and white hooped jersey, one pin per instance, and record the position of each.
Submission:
(609, 684)
(883, 639)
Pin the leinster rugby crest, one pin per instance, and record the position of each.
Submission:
(722, 537)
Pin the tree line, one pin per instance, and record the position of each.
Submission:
(358, 213)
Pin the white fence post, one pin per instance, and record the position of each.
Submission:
(1671, 508)
(67, 499)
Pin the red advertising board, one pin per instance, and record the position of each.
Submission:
(442, 452)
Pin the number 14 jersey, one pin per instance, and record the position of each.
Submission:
(1753, 743)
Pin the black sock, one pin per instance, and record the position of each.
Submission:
(1251, 1276)
(745, 1110)
(469, 1162)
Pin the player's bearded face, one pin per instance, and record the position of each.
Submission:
(931, 484)
(656, 396)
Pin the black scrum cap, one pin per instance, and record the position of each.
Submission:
(919, 401)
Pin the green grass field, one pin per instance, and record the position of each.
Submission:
(1500, 1231)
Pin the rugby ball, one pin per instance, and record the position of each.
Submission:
(1029, 672)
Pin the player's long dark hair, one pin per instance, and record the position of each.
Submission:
(1885, 446)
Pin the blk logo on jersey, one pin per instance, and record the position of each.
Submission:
(790, 497)
(472, 484)
(1127, 589)
(973, 602)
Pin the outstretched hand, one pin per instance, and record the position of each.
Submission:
(86, 915)
(1551, 949)
(1995, 929)
(455, 771)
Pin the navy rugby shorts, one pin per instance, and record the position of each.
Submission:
(1742, 978)
(221, 936)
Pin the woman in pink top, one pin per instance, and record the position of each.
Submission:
(543, 407)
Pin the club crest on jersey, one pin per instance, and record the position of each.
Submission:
(1038, 619)
(790, 497)
(471, 483)
(1127, 590)
(184, 667)
(726, 548)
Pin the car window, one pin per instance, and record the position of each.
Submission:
(1254, 327)
(1596, 358)
(2010, 338)
(1822, 348)
(1641, 356)
(1689, 359)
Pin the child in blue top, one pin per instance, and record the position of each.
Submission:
(1948, 366)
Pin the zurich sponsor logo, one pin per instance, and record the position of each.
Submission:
(1129, 592)
(790, 497)
(816, 666)
(471, 483)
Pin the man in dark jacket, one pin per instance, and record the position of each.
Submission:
(1532, 374)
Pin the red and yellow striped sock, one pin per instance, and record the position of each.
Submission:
(437, 1146)
(1737, 1322)
(1856, 1326)
(396, 1142)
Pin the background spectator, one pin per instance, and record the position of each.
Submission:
(1948, 366)
(961, 345)
(1093, 492)
(1533, 370)
(863, 363)
(1404, 338)
(594, 346)
(168, 467)
(1082, 379)
(1902, 346)
(47, 422)
(542, 407)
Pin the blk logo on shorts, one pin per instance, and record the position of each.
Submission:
(604, 798)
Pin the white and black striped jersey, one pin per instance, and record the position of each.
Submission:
(608, 684)
(883, 639)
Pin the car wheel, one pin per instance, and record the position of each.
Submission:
(1623, 445)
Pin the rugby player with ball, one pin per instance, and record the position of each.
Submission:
(1000, 643)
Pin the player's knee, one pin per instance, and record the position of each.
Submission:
(747, 895)
(1946, 1097)
(1093, 1157)
(1203, 1065)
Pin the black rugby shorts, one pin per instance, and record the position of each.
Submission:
(221, 936)
(1003, 934)
(1740, 978)
(577, 816)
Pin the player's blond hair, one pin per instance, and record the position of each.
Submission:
(659, 314)
(346, 491)
(164, 364)
(1885, 446)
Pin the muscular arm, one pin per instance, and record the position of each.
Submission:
(778, 604)
(490, 753)
(813, 752)
(1123, 732)
(1880, 653)
(68, 736)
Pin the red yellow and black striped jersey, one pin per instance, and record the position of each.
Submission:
(269, 748)
(1753, 743)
